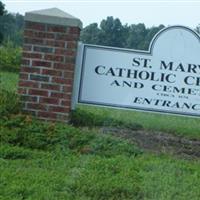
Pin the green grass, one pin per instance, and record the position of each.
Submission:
(8, 81)
(177, 125)
(56, 161)
(165, 178)
(46, 161)
(52, 175)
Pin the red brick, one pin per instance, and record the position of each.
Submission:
(69, 74)
(70, 66)
(48, 115)
(59, 109)
(49, 100)
(32, 55)
(27, 98)
(59, 80)
(30, 70)
(38, 63)
(35, 26)
(38, 92)
(39, 78)
(23, 76)
(65, 52)
(28, 33)
(50, 87)
(67, 89)
(50, 35)
(37, 34)
(66, 102)
(60, 66)
(69, 81)
(29, 40)
(71, 53)
(25, 62)
(54, 43)
(44, 35)
(71, 45)
(58, 95)
(41, 35)
(27, 47)
(60, 51)
(64, 37)
(70, 60)
(66, 66)
(74, 30)
(75, 37)
(36, 106)
(43, 49)
(55, 58)
(29, 84)
(55, 28)
(51, 72)
(22, 90)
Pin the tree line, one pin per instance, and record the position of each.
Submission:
(110, 32)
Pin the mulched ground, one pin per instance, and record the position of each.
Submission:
(158, 142)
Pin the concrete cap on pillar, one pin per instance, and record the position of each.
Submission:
(53, 16)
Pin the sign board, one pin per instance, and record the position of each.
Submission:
(166, 78)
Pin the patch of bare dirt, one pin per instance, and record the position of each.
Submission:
(159, 142)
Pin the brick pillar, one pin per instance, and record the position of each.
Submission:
(47, 70)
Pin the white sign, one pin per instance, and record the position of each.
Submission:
(164, 79)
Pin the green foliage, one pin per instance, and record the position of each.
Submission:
(14, 152)
(2, 12)
(9, 103)
(84, 117)
(136, 37)
(22, 130)
(51, 175)
(182, 126)
(2, 8)
(42, 160)
(12, 28)
(10, 57)
(90, 34)
(8, 81)
(112, 33)
(166, 178)
(108, 179)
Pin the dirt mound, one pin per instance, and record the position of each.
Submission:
(159, 142)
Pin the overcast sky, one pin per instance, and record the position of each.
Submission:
(151, 13)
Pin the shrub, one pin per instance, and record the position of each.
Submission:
(10, 57)
(81, 117)
(14, 152)
(22, 130)
(9, 103)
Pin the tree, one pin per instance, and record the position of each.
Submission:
(2, 8)
(136, 36)
(90, 34)
(2, 11)
(11, 27)
(112, 32)
(151, 32)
